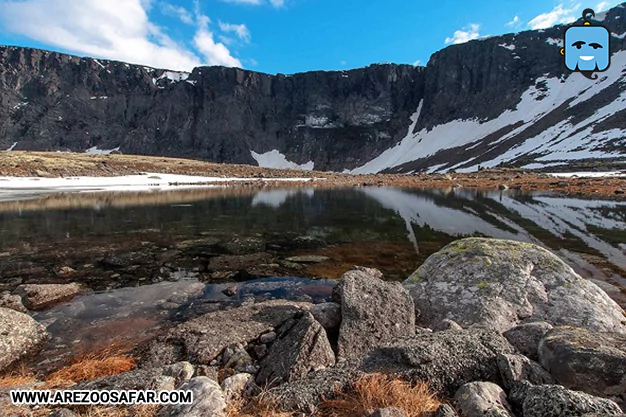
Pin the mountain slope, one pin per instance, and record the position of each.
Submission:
(501, 100)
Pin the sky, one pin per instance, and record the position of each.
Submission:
(272, 36)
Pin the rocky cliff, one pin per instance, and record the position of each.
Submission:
(499, 100)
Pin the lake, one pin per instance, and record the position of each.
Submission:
(153, 258)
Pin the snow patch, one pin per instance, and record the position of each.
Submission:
(12, 146)
(95, 151)
(509, 47)
(622, 36)
(555, 42)
(20, 105)
(275, 159)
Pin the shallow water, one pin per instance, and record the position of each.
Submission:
(171, 236)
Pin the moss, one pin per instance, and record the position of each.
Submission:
(482, 285)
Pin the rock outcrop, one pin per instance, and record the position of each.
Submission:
(482, 399)
(498, 284)
(41, 296)
(20, 337)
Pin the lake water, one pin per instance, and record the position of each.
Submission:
(153, 258)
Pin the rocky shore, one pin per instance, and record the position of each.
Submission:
(493, 327)
(54, 165)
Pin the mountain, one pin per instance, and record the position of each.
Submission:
(505, 100)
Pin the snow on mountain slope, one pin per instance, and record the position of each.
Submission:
(564, 140)
(275, 159)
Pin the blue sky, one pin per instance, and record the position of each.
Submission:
(271, 36)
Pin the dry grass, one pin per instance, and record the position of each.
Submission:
(133, 411)
(259, 406)
(94, 365)
(375, 391)
(18, 375)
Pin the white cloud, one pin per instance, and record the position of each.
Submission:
(111, 29)
(515, 22)
(183, 14)
(603, 6)
(275, 3)
(343, 63)
(241, 30)
(558, 15)
(465, 34)
(417, 63)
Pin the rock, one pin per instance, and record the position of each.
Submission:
(239, 386)
(238, 262)
(478, 399)
(386, 412)
(586, 361)
(239, 360)
(301, 347)
(307, 259)
(503, 187)
(328, 315)
(526, 337)
(444, 410)
(497, 284)
(619, 192)
(202, 339)
(241, 246)
(136, 379)
(13, 302)
(63, 412)
(514, 368)
(20, 337)
(208, 400)
(66, 270)
(557, 401)
(268, 337)
(41, 296)
(447, 324)
(180, 371)
(164, 383)
(373, 312)
(230, 291)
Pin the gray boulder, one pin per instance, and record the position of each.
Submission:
(301, 347)
(514, 368)
(444, 410)
(527, 336)
(328, 315)
(373, 311)
(498, 284)
(239, 386)
(558, 401)
(482, 399)
(42, 296)
(201, 340)
(586, 361)
(447, 324)
(386, 412)
(20, 337)
(208, 400)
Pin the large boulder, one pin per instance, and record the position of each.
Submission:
(201, 340)
(301, 347)
(586, 361)
(20, 337)
(482, 399)
(557, 401)
(515, 368)
(208, 400)
(41, 296)
(527, 336)
(373, 312)
(498, 284)
(328, 315)
(447, 360)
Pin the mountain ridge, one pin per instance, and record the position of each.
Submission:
(486, 102)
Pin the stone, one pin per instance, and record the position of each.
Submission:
(41, 296)
(230, 290)
(201, 340)
(239, 386)
(373, 312)
(514, 368)
(241, 246)
(239, 361)
(238, 262)
(447, 324)
(557, 401)
(527, 336)
(498, 284)
(180, 371)
(503, 187)
(328, 315)
(307, 259)
(478, 399)
(444, 410)
(586, 361)
(20, 337)
(63, 412)
(208, 400)
(386, 412)
(13, 302)
(268, 337)
(300, 348)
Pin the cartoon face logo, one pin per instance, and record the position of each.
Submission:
(587, 48)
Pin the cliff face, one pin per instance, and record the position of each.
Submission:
(506, 99)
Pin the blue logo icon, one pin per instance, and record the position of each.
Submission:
(586, 47)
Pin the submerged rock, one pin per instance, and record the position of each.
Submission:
(41, 296)
(201, 340)
(587, 361)
(20, 337)
(301, 347)
(498, 284)
(373, 312)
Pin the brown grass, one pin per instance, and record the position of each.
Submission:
(94, 365)
(18, 375)
(259, 406)
(375, 391)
